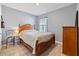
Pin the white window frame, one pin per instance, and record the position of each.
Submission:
(43, 26)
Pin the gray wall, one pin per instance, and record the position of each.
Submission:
(78, 12)
(59, 18)
(0, 26)
(0, 17)
(13, 17)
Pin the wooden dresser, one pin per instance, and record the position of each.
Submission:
(70, 40)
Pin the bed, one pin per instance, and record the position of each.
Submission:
(36, 42)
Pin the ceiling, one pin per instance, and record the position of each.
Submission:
(33, 9)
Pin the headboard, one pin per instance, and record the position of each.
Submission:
(25, 27)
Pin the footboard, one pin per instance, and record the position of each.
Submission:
(41, 47)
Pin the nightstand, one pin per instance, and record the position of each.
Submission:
(11, 35)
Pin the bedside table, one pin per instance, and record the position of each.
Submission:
(11, 33)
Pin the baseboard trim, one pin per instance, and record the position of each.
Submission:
(58, 42)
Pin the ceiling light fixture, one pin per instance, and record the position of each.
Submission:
(37, 4)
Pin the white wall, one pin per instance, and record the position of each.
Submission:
(59, 18)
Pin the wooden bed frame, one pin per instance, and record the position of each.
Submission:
(40, 47)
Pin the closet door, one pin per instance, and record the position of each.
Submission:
(70, 41)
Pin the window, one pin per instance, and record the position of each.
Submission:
(43, 24)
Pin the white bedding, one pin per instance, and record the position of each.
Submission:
(30, 37)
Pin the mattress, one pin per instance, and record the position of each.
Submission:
(31, 36)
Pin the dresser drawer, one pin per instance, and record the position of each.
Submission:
(70, 41)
